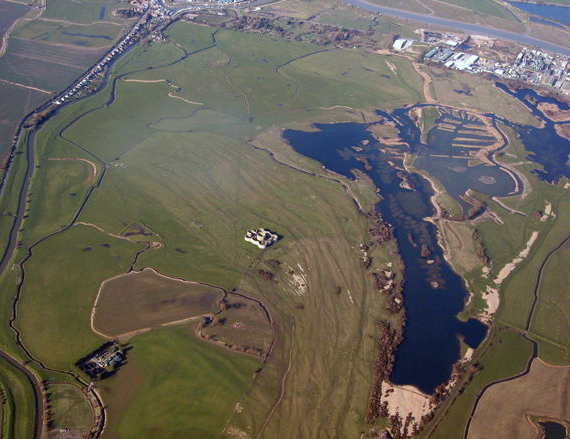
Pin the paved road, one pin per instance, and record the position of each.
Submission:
(469, 28)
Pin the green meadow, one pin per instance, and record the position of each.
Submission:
(171, 147)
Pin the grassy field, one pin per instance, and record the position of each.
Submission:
(144, 299)
(63, 293)
(10, 12)
(175, 386)
(16, 102)
(488, 7)
(461, 246)
(91, 35)
(507, 355)
(44, 65)
(68, 407)
(483, 96)
(540, 393)
(82, 11)
(350, 18)
(550, 320)
(18, 406)
(485, 12)
(242, 325)
(193, 179)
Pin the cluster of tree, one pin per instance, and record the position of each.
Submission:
(403, 428)
(462, 373)
(127, 13)
(38, 117)
(481, 250)
(384, 281)
(266, 274)
(301, 30)
(388, 341)
(379, 231)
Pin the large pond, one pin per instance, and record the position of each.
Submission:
(553, 430)
(553, 12)
(433, 293)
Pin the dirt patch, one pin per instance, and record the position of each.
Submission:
(554, 112)
(509, 268)
(563, 130)
(405, 401)
(505, 409)
(144, 299)
(241, 325)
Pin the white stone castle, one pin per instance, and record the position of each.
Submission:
(262, 238)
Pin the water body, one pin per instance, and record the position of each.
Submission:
(553, 430)
(552, 12)
(546, 147)
(447, 155)
(433, 293)
(543, 21)
(102, 12)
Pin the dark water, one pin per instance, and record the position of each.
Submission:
(102, 12)
(540, 20)
(546, 147)
(553, 12)
(72, 34)
(553, 430)
(447, 156)
(433, 293)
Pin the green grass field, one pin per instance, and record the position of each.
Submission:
(175, 386)
(489, 7)
(18, 407)
(191, 148)
(68, 407)
(550, 320)
(81, 11)
(92, 35)
(508, 355)
(63, 292)
(178, 160)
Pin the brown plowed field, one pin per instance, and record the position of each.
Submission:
(505, 409)
(144, 299)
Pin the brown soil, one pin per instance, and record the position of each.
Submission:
(554, 112)
(563, 130)
(141, 300)
(505, 408)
